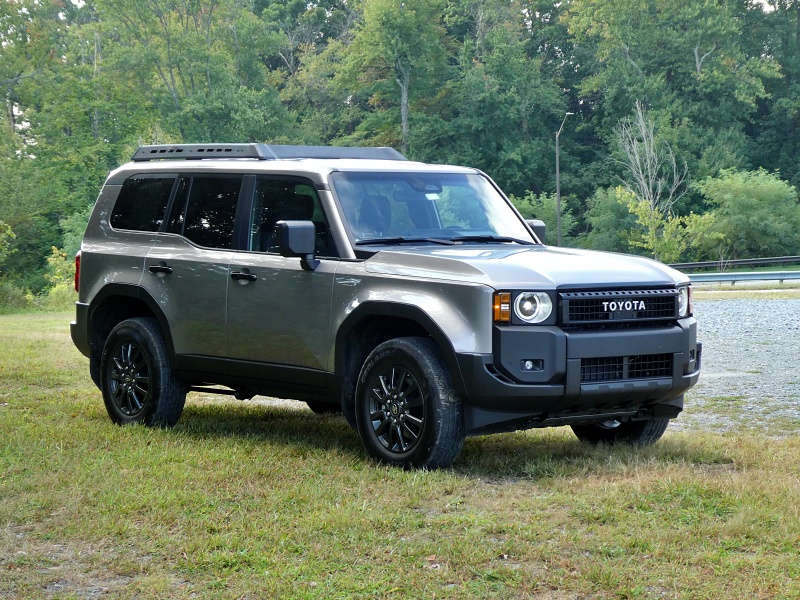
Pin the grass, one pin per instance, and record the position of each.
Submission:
(245, 500)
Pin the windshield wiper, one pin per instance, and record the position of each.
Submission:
(490, 238)
(403, 240)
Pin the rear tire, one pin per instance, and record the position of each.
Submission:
(640, 433)
(407, 412)
(137, 380)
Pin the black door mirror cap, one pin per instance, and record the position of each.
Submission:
(298, 239)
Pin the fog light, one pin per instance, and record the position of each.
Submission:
(532, 364)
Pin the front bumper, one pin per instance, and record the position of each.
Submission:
(501, 394)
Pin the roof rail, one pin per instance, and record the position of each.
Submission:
(260, 152)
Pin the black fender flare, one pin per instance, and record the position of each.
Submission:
(369, 309)
(134, 292)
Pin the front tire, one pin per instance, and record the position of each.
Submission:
(137, 380)
(639, 433)
(407, 412)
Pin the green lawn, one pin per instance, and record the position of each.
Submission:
(243, 500)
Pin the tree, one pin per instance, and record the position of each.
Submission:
(497, 112)
(651, 170)
(684, 60)
(6, 236)
(395, 54)
(29, 32)
(776, 131)
(665, 236)
(755, 214)
(543, 207)
(610, 223)
(199, 62)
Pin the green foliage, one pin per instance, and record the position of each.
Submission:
(394, 58)
(610, 222)
(12, 298)
(543, 206)
(483, 83)
(499, 114)
(684, 59)
(665, 236)
(60, 270)
(73, 228)
(6, 237)
(756, 214)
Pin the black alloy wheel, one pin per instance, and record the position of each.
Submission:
(129, 379)
(397, 409)
(407, 412)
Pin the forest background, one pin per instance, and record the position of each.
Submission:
(681, 143)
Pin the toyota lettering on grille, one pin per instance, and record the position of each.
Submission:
(614, 306)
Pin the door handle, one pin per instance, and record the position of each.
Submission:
(161, 268)
(244, 275)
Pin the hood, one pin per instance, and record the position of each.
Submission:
(510, 266)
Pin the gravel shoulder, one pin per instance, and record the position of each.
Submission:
(749, 376)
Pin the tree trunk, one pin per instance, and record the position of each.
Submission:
(403, 79)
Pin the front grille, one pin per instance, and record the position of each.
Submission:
(615, 307)
(616, 368)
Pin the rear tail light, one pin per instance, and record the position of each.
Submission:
(78, 271)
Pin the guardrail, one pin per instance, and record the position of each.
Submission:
(744, 262)
(780, 276)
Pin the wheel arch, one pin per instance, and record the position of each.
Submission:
(117, 302)
(373, 323)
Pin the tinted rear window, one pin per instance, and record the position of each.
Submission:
(142, 203)
(211, 211)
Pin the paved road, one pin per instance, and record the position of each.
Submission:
(751, 367)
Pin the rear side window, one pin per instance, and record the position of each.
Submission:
(142, 203)
(211, 211)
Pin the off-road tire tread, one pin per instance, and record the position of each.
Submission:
(169, 389)
(637, 433)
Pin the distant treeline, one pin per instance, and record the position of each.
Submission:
(683, 142)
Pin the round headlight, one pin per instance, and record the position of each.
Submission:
(683, 301)
(533, 307)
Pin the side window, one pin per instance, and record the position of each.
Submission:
(142, 203)
(286, 200)
(211, 211)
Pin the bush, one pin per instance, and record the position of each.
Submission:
(611, 222)
(12, 298)
(756, 214)
(61, 296)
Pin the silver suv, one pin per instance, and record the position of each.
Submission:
(411, 297)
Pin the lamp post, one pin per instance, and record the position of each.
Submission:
(558, 181)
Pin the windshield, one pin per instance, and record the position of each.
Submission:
(392, 208)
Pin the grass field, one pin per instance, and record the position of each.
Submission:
(245, 500)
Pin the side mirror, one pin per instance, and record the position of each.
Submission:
(298, 239)
(538, 228)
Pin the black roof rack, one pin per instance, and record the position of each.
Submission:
(260, 152)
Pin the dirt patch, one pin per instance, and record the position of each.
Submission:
(32, 566)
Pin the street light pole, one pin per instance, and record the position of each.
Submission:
(558, 181)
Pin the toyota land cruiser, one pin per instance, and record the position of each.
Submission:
(411, 297)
